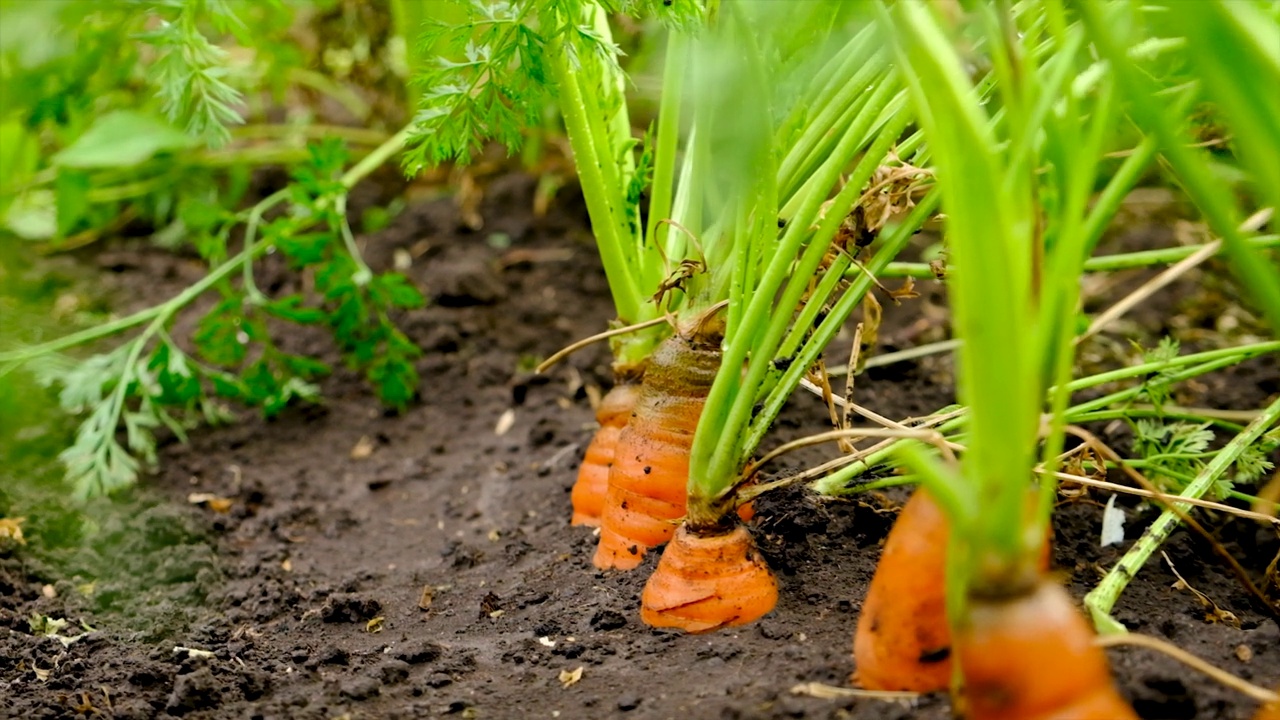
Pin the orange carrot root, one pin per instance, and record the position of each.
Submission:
(1031, 657)
(902, 641)
(707, 582)
(593, 476)
(646, 495)
(1270, 711)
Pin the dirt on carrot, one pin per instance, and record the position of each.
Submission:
(1031, 656)
(593, 475)
(705, 582)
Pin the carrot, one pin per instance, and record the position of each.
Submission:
(1270, 711)
(593, 476)
(646, 494)
(1031, 656)
(707, 580)
(903, 641)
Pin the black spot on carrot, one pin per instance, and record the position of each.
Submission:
(634, 550)
(647, 469)
(624, 504)
(935, 656)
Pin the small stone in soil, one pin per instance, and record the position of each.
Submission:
(417, 652)
(393, 671)
(332, 655)
(359, 688)
(345, 607)
(608, 620)
(439, 680)
(547, 628)
(193, 691)
(628, 702)
(489, 605)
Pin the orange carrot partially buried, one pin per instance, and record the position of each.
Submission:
(1031, 656)
(707, 580)
(903, 641)
(646, 493)
(593, 476)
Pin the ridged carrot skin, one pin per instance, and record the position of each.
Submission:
(1031, 656)
(646, 493)
(705, 582)
(902, 641)
(593, 476)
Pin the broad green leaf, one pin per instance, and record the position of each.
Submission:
(33, 216)
(122, 139)
(18, 158)
(72, 199)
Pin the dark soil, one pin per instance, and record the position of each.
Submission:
(433, 573)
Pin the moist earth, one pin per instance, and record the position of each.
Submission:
(380, 565)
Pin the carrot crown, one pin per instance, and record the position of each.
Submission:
(795, 162)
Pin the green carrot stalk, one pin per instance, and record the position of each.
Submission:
(1212, 197)
(1015, 235)
(1097, 263)
(1171, 372)
(1103, 598)
(1235, 48)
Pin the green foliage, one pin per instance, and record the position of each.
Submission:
(150, 382)
(1175, 452)
(488, 76)
(191, 72)
(499, 86)
(1155, 388)
(125, 111)
(120, 139)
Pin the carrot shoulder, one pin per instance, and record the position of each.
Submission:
(1031, 656)
(646, 495)
(902, 641)
(593, 476)
(707, 581)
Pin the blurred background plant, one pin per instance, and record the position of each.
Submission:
(225, 130)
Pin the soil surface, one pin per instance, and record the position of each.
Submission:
(372, 565)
